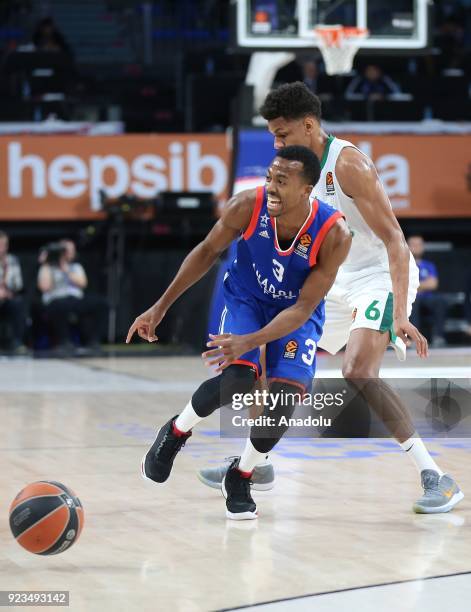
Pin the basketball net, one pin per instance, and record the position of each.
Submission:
(338, 45)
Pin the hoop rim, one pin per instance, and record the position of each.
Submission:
(341, 33)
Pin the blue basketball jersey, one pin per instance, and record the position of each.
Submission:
(266, 271)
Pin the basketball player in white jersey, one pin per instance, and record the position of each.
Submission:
(370, 302)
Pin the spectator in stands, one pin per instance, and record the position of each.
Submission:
(373, 85)
(311, 75)
(47, 37)
(428, 300)
(451, 43)
(12, 309)
(308, 70)
(62, 281)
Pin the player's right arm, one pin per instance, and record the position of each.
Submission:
(234, 220)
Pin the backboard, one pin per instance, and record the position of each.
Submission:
(289, 24)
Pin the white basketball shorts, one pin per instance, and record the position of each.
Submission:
(362, 299)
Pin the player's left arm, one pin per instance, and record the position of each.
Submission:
(359, 180)
(331, 255)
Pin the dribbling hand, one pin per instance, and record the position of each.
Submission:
(229, 347)
(145, 325)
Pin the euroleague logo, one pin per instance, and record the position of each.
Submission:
(303, 245)
(291, 348)
(329, 183)
(305, 240)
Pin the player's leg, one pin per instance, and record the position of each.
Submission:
(369, 337)
(290, 370)
(263, 477)
(338, 319)
(211, 395)
(237, 480)
(240, 316)
(361, 363)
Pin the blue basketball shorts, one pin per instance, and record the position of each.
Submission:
(291, 358)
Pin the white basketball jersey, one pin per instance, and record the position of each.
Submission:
(367, 249)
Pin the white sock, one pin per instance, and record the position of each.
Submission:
(187, 419)
(251, 457)
(415, 448)
(265, 461)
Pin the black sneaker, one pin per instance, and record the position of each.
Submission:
(236, 489)
(157, 463)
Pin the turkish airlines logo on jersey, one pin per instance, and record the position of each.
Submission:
(329, 183)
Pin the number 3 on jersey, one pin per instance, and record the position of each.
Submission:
(308, 356)
(278, 270)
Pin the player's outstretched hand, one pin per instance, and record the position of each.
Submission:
(409, 333)
(145, 325)
(229, 348)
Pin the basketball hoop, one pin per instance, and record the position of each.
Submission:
(338, 45)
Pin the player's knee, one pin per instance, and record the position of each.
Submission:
(219, 391)
(239, 378)
(355, 370)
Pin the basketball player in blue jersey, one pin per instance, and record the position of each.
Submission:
(369, 304)
(288, 254)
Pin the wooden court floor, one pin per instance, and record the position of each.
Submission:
(338, 518)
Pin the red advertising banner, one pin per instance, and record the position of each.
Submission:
(424, 176)
(60, 177)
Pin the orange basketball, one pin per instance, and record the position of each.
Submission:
(46, 517)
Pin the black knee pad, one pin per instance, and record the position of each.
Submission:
(264, 438)
(218, 391)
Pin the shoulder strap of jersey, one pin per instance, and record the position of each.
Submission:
(322, 233)
(260, 194)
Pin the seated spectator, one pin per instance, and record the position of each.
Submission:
(311, 76)
(47, 37)
(451, 42)
(373, 85)
(62, 282)
(12, 309)
(309, 71)
(428, 300)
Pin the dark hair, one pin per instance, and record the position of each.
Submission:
(56, 35)
(311, 166)
(291, 101)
